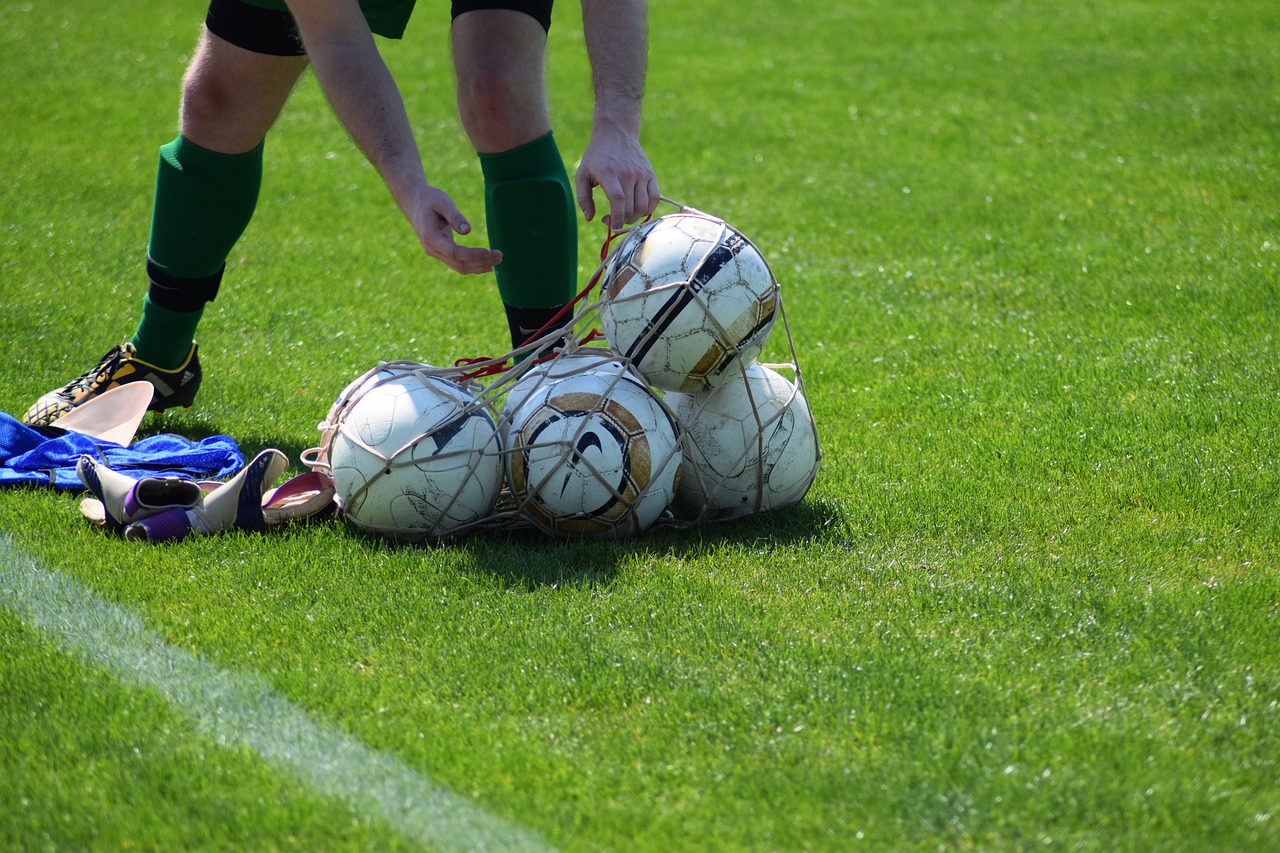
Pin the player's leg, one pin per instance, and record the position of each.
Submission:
(206, 189)
(499, 56)
(207, 185)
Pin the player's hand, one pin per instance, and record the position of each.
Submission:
(618, 166)
(435, 221)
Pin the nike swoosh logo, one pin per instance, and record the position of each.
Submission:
(587, 441)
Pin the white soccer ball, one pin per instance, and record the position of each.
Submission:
(415, 455)
(751, 446)
(563, 365)
(686, 298)
(593, 454)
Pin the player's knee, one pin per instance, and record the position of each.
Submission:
(206, 102)
(221, 116)
(500, 111)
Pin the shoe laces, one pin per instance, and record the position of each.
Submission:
(104, 370)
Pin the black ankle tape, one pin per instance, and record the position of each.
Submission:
(181, 294)
(524, 323)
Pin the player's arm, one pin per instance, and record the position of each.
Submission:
(616, 35)
(367, 101)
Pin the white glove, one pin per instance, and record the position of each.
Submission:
(235, 505)
(120, 500)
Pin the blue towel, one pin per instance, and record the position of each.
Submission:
(48, 457)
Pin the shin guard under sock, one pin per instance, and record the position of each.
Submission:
(204, 201)
(529, 210)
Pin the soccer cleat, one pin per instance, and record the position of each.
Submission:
(121, 365)
(120, 500)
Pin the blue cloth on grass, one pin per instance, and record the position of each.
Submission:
(32, 457)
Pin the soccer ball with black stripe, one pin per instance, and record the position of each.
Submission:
(414, 455)
(594, 453)
(686, 297)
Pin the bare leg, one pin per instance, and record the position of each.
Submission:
(499, 58)
(231, 96)
(206, 190)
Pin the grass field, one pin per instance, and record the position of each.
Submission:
(1030, 255)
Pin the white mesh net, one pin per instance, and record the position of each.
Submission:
(645, 407)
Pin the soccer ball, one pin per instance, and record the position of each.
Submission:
(751, 446)
(414, 455)
(593, 454)
(686, 297)
(563, 365)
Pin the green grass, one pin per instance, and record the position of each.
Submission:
(96, 765)
(1030, 254)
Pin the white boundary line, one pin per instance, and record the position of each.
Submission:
(242, 710)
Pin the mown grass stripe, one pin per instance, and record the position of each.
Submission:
(239, 709)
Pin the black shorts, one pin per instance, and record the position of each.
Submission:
(266, 26)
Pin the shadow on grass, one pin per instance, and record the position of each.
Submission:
(525, 558)
(533, 560)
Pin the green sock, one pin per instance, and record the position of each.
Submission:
(164, 337)
(203, 202)
(529, 210)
